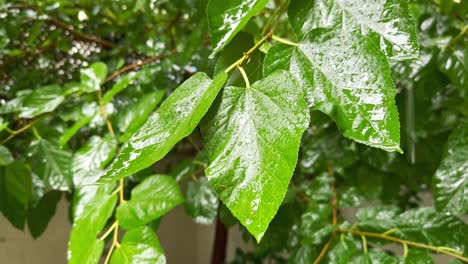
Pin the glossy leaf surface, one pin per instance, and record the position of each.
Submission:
(177, 117)
(43, 100)
(93, 76)
(151, 199)
(201, 201)
(253, 139)
(226, 19)
(139, 246)
(451, 179)
(51, 163)
(388, 23)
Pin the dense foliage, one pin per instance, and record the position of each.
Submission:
(294, 110)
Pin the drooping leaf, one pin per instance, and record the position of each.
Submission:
(93, 76)
(133, 117)
(388, 23)
(139, 246)
(201, 201)
(226, 19)
(451, 178)
(253, 138)
(40, 101)
(93, 205)
(51, 163)
(177, 117)
(440, 229)
(15, 192)
(151, 199)
(348, 78)
(40, 216)
(5, 156)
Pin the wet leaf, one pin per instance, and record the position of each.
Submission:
(15, 192)
(201, 201)
(93, 76)
(139, 246)
(5, 156)
(226, 19)
(315, 230)
(416, 256)
(151, 199)
(388, 23)
(253, 137)
(40, 101)
(454, 63)
(51, 163)
(451, 178)
(177, 117)
(376, 256)
(122, 83)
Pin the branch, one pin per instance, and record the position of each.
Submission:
(324, 251)
(17, 132)
(442, 250)
(133, 66)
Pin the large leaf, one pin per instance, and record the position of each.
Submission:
(92, 208)
(201, 201)
(253, 139)
(51, 163)
(177, 117)
(227, 18)
(388, 23)
(151, 199)
(40, 101)
(352, 85)
(440, 229)
(139, 246)
(92, 157)
(15, 192)
(40, 216)
(451, 179)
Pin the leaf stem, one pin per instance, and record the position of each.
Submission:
(364, 244)
(121, 191)
(324, 251)
(111, 228)
(443, 250)
(14, 133)
(244, 75)
(284, 41)
(115, 243)
(249, 52)
(36, 133)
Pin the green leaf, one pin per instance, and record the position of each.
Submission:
(151, 199)
(51, 163)
(15, 192)
(139, 246)
(91, 158)
(351, 85)
(121, 84)
(416, 256)
(344, 251)
(93, 76)
(71, 131)
(40, 216)
(440, 229)
(376, 256)
(201, 201)
(133, 117)
(177, 117)
(5, 156)
(92, 207)
(451, 178)
(40, 101)
(388, 23)
(454, 63)
(3, 124)
(316, 227)
(226, 19)
(303, 255)
(253, 138)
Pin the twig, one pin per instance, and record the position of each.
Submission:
(19, 131)
(133, 66)
(324, 251)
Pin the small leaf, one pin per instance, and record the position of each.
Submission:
(201, 201)
(388, 23)
(51, 164)
(40, 101)
(344, 251)
(15, 192)
(454, 63)
(40, 216)
(451, 178)
(253, 138)
(151, 199)
(121, 84)
(226, 19)
(139, 246)
(177, 117)
(5, 156)
(133, 117)
(316, 226)
(93, 76)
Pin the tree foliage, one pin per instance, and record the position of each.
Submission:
(274, 115)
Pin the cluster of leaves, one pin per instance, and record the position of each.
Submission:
(300, 121)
